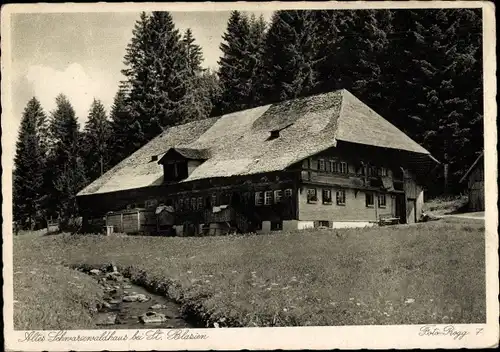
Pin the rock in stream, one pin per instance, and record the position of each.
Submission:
(153, 318)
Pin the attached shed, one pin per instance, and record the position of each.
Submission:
(132, 221)
(475, 184)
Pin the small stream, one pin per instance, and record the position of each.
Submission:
(129, 306)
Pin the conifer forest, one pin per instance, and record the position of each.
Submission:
(421, 69)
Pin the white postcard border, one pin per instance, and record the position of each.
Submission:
(345, 337)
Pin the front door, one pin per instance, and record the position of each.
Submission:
(401, 208)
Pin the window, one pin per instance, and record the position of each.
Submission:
(268, 197)
(288, 192)
(382, 200)
(369, 199)
(193, 204)
(169, 202)
(338, 167)
(278, 195)
(322, 223)
(327, 196)
(321, 165)
(174, 171)
(340, 197)
(276, 225)
(199, 204)
(382, 171)
(332, 166)
(214, 199)
(187, 204)
(259, 198)
(181, 204)
(343, 167)
(311, 195)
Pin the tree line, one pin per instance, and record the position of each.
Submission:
(420, 69)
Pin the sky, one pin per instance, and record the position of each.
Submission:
(81, 54)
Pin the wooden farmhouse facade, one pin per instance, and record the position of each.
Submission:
(322, 161)
(475, 184)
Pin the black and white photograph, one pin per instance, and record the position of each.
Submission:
(199, 176)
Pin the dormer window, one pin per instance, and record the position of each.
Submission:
(176, 170)
(154, 158)
(178, 163)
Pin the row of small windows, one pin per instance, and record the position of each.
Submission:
(312, 196)
(341, 167)
(264, 198)
(200, 203)
(272, 197)
(340, 197)
(333, 166)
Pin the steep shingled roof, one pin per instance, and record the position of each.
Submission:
(239, 144)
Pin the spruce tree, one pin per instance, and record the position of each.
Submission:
(138, 84)
(65, 164)
(256, 50)
(160, 65)
(235, 68)
(290, 55)
(126, 131)
(192, 53)
(353, 45)
(96, 141)
(29, 167)
(196, 102)
(167, 72)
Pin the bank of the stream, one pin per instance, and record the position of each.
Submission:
(126, 305)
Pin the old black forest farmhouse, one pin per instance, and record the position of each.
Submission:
(325, 160)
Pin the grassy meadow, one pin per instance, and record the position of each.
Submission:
(424, 273)
(48, 295)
